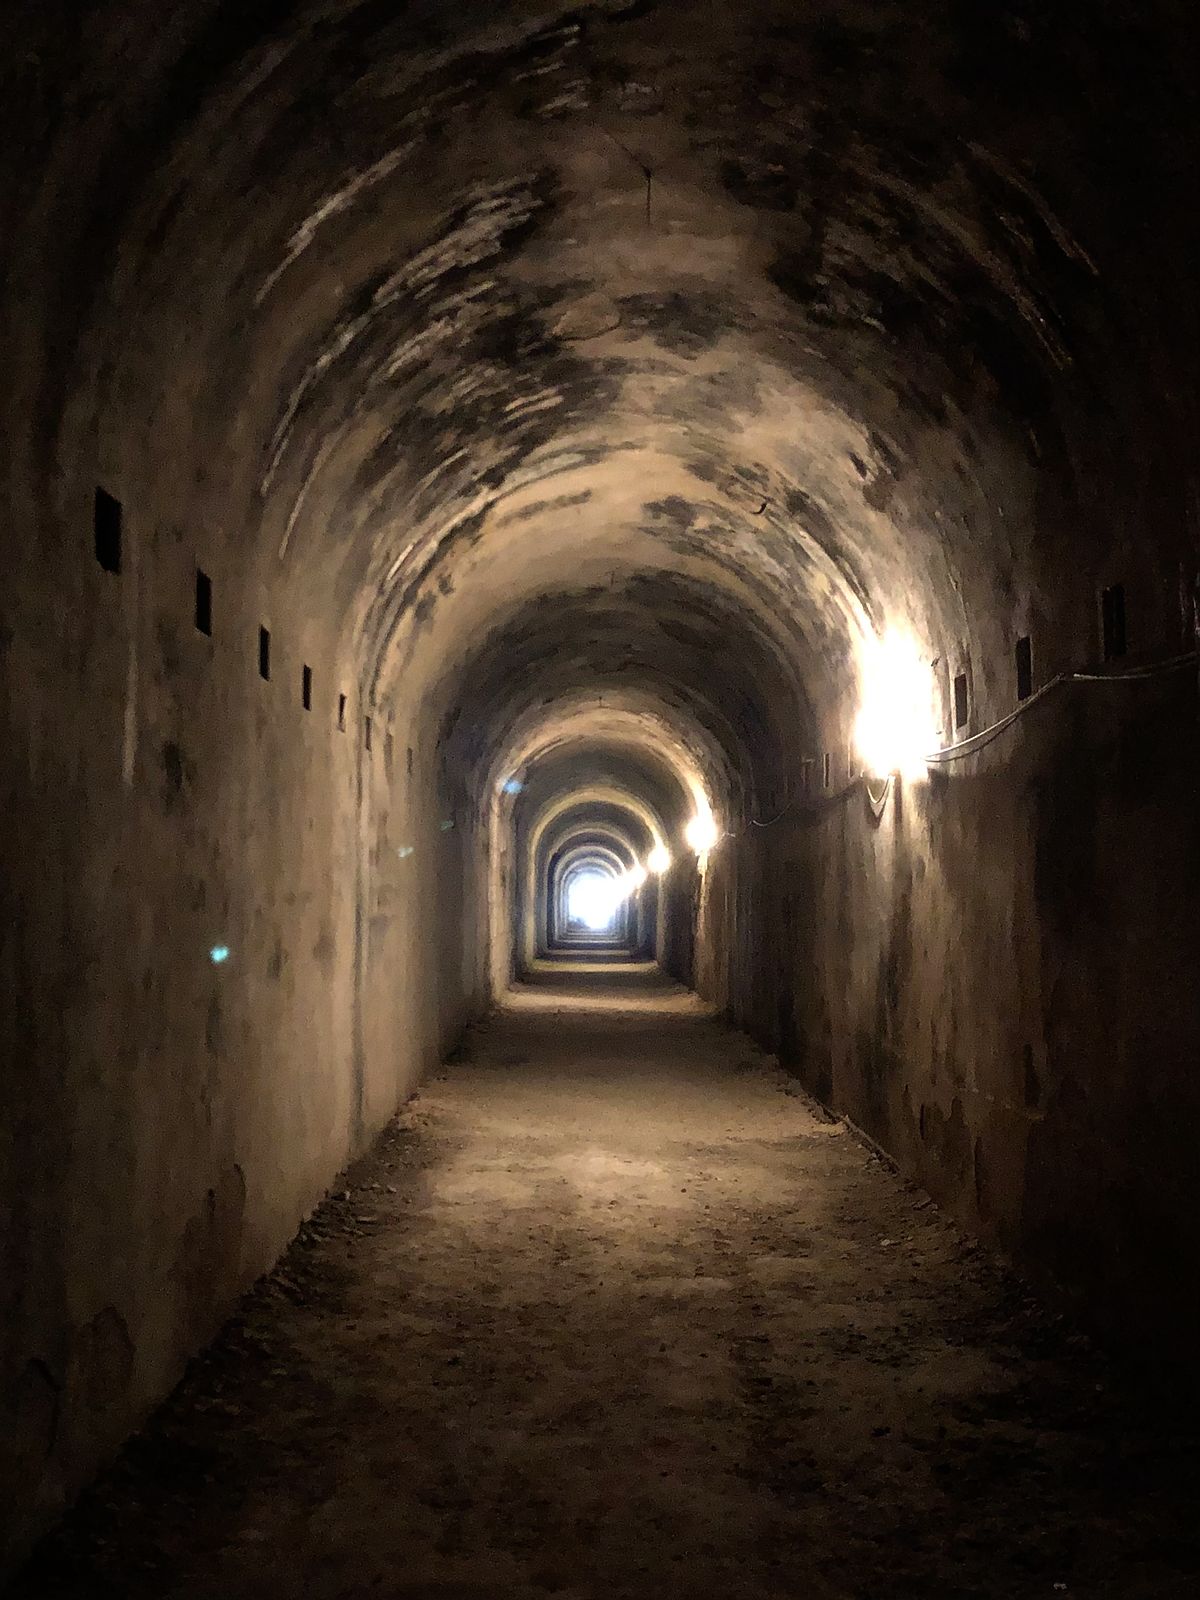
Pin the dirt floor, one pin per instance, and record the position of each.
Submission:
(612, 1312)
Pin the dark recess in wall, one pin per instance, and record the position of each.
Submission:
(107, 520)
(1024, 661)
(962, 704)
(203, 603)
(1112, 621)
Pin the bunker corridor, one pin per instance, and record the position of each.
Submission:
(597, 596)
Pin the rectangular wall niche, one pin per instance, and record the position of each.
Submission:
(341, 713)
(264, 653)
(1024, 659)
(106, 521)
(367, 732)
(826, 769)
(306, 688)
(962, 704)
(1112, 620)
(203, 603)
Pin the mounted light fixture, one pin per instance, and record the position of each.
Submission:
(701, 833)
(659, 859)
(895, 731)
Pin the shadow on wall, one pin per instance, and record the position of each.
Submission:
(996, 982)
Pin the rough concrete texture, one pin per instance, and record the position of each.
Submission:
(578, 383)
(1003, 998)
(610, 1310)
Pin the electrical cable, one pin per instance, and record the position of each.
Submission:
(980, 741)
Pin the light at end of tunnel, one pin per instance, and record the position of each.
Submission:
(512, 786)
(593, 899)
(659, 859)
(895, 728)
(219, 954)
(701, 833)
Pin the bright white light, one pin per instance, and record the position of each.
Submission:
(895, 729)
(659, 858)
(218, 954)
(701, 833)
(593, 898)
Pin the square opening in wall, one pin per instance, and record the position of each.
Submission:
(1112, 620)
(962, 704)
(264, 653)
(1024, 660)
(341, 713)
(203, 603)
(107, 529)
(306, 688)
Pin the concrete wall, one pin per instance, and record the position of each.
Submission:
(166, 1120)
(996, 980)
(366, 320)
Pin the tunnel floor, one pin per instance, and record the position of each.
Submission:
(612, 1310)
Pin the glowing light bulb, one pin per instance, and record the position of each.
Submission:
(659, 859)
(701, 833)
(218, 954)
(894, 730)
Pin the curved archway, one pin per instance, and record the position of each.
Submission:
(420, 418)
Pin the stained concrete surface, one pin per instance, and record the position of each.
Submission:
(613, 1310)
(366, 311)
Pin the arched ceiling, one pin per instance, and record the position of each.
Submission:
(658, 349)
(594, 772)
(615, 736)
(620, 816)
(607, 851)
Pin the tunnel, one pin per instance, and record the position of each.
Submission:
(546, 539)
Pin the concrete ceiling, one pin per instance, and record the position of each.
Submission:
(656, 350)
